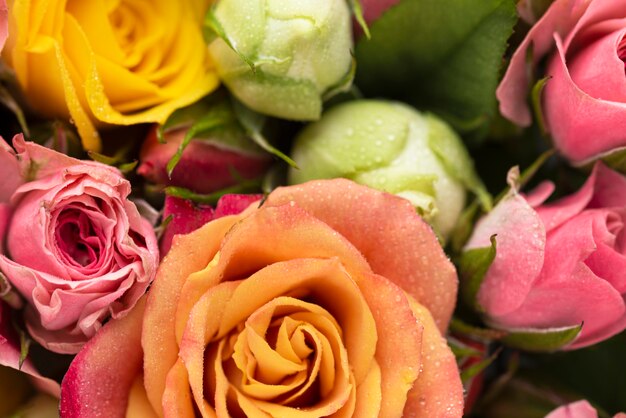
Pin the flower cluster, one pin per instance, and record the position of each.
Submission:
(332, 208)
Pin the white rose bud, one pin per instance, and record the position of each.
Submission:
(280, 57)
(392, 147)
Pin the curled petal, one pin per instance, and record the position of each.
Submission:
(378, 225)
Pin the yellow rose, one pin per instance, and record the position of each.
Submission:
(119, 62)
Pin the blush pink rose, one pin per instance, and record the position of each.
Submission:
(185, 216)
(204, 167)
(584, 102)
(76, 248)
(579, 409)
(4, 23)
(559, 264)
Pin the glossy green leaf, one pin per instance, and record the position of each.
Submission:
(473, 267)
(439, 55)
(542, 340)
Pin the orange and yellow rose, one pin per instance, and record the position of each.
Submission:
(327, 300)
(101, 62)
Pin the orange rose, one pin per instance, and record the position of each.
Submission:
(328, 300)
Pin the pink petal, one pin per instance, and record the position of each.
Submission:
(610, 188)
(597, 11)
(373, 9)
(520, 240)
(396, 242)
(10, 354)
(4, 23)
(554, 214)
(5, 218)
(233, 204)
(9, 166)
(597, 69)
(580, 409)
(185, 217)
(203, 168)
(579, 297)
(100, 377)
(573, 117)
(513, 89)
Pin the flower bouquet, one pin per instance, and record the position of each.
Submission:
(299, 209)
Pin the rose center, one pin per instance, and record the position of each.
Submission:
(76, 239)
(621, 50)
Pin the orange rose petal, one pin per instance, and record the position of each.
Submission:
(269, 235)
(158, 337)
(177, 401)
(400, 334)
(138, 404)
(438, 391)
(203, 323)
(325, 282)
(397, 243)
(105, 370)
(369, 395)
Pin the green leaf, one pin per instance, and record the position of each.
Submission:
(253, 123)
(550, 339)
(477, 368)
(460, 327)
(209, 122)
(357, 12)
(24, 347)
(439, 55)
(535, 97)
(187, 116)
(247, 186)
(464, 227)
(213, 28)
(473, 267)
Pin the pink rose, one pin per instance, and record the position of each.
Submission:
(584, 102)
(187, 216)
(4, 23)
(76, 248)
(580, 409)
(373, 9)
(559, 264)
(204, 167)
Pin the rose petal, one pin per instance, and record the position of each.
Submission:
(400, 342)
(438, 391)
(5, 217)
(158, 338)
(513, 89)
(185, 217)
(597, 69)
(379, 226)
(203, 168)
(9, 165)
(520, 241)
(10, 354)
(98, 382)
(578, 298)
(4, 23)
(609, 189)
(580, 409)
(564, 102)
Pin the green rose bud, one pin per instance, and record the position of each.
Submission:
(281, 57)
(392, 147)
